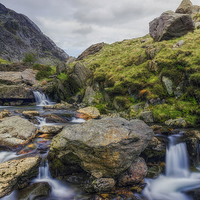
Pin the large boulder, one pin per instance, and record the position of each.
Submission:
(170, 25)
(103, 148)
(15, 132)
(17, 173)
(185, 7)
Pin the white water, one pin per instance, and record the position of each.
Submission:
(7, 155)
(77, 120)
(41, 99)
(59, 190)
(41, 121)
(178, 178)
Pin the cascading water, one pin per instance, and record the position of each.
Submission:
(7, 155)
(41, 99)
(178, 178)
(59, 189)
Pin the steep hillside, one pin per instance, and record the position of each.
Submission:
(164, 74)
(19, 35)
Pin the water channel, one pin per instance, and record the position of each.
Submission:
(173, 185)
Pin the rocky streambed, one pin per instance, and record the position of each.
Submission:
(49, 153)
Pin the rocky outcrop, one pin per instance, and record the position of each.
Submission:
(19, 35)
(10, 78)
(103, 148)
(14, 95)
(170, 25)
(79, 75)
(185, 7)
(15, 132)
(91, 50)
(4, 113)
(15, 174)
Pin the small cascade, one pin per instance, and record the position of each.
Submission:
(77, 120)
(7, 155)
(59, 189)
(41, 121)
(41, 99)
(178, 178)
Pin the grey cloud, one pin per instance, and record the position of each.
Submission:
(85, 30)
(74, 25)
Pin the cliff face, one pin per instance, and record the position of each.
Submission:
(19, 35)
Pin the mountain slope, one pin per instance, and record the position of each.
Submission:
(19, 35)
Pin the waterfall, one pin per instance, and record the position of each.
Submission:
(41, 99)
(178, 178)
(59, 189)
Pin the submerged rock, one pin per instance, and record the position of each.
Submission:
(35, 191)
(104, 147)
(15, 132)
(15, 174)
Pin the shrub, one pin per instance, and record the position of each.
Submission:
(29, 58)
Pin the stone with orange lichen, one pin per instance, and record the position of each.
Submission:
(88, 113)
(17, 173)
(16, 132)
(103, 148)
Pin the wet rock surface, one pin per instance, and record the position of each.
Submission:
(134, 174)
(15, 132)
(17, 173)
(34, 191)
(104, 147)
(51, 129)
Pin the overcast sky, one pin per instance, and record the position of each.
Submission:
(74, 25)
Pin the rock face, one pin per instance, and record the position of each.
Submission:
(170, 25)
(17, 173)
(15, 132)
(91, 50)
(10, 78)
(19, 35)
(15, 95)
(79, 75)
(185, 7)
(104, 147)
